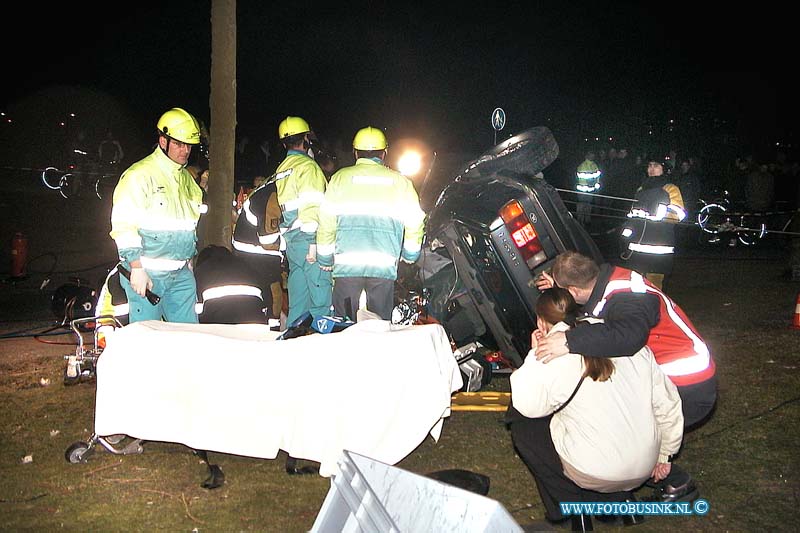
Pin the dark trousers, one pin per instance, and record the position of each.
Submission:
(347, 292)
(698, 402)
(650, 264)
(534, 444)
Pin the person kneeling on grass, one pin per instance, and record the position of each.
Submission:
(595, 439)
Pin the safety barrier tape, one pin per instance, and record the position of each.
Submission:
(727, 213)
(690, 222)
(758, 213)
(76, 172)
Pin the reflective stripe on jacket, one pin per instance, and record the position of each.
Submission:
(676, 344)
(257, 228)
(370, 218)
(651, 229)
(587, 181)
(301, 188)
(155, 211)
(587, 177)
(226, 279)
(224, 291)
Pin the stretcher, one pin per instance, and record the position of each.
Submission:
(375, 388)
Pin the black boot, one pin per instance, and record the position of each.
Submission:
(582, 522)
(632, 519)
(293, 470)
(216, 477)
(678, 486)
(685, 492)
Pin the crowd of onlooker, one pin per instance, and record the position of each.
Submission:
(754, 184)
(765, 186)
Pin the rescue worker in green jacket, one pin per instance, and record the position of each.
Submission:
(301, 188)
(587, 180)
(154, 215)
(370, 219)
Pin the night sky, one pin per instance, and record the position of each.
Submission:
(434, 72)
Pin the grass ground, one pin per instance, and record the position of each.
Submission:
(745, 458)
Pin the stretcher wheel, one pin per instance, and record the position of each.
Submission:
(77, 453)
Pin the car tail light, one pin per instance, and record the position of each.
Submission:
(522, 233)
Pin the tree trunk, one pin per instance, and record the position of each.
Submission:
(222, 130)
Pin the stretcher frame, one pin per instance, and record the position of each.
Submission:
(84, 362)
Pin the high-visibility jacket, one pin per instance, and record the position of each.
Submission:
(112, 300)
(587, 177)
(650, 228)
(301, 188)
(257, 228)
(155, 211)
(678, 348)
(370, 218)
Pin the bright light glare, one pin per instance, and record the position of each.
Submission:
(409, 163)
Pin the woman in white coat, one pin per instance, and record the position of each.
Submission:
(613, 423)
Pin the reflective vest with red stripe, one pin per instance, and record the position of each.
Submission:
(676, 344)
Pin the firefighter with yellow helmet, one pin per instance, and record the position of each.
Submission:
(301, 187)
(370, 219)
(156, 206)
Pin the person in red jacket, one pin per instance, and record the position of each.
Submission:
(635, 313)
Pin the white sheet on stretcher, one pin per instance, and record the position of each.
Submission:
(373, 388)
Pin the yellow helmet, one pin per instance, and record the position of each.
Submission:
(178, 124)
(292, 126)
(369, 138)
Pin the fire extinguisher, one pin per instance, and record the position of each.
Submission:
(19, 255)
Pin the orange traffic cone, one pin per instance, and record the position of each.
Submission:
(796, 319)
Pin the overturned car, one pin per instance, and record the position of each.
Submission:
(493, 229)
